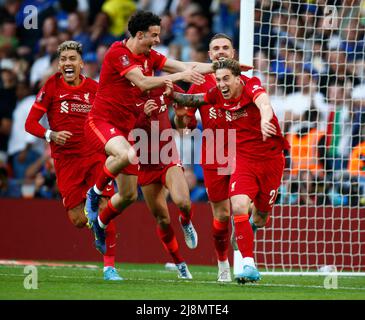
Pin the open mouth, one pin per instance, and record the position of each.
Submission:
(69, 72)
(225, 92)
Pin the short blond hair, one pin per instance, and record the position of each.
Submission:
(69, 45)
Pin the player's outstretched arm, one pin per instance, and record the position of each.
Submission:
(184, 99)
(173, 66)
(263, 103)
(146, 83)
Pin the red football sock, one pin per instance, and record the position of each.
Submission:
(185, 219)
(244, 235)
(167, 236)
(104, 178)
(221, 238)
(111, 241)
(108, 213)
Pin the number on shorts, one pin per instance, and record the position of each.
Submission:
(273, 194)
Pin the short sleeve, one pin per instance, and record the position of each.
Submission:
(254, 88)
(158, 59)
(44, 98)
(211, 97)
(121, 61)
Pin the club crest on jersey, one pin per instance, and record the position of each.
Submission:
(124, 60)
(86, 96)
(163, 104)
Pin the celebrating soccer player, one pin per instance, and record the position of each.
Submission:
(160, 169)
(216, 183)
(66, 99)
(127, 71)
(259, 158)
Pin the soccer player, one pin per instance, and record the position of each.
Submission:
(127, 72)
(165, 172)
(259, 158)
(66, 99)
(216, 183)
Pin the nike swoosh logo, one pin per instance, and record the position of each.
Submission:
(63, 95)
(108, 189)
(139, 104)
(112, 245)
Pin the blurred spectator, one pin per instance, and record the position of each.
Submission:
(77, 30)
(99, 31)
(40, 65)
(9, 188)
(8, 40)
(49, 29)
(23, 148)
(7, 106)
(197, 191)
(305, 98)
(91, 66)
(119, 12)
(193, 39)
(157, 7)
(339, 127)
(41, 177)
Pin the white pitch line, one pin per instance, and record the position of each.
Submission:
(201, 282)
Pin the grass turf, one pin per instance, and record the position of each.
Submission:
(153, 282)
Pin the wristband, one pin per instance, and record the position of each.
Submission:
(47, 135)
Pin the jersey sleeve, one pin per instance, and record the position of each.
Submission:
(159, 60)
(121, 61)
(41, 105)
(44, 97)
(211, 96)
(254, 88)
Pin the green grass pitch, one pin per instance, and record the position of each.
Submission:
(153, 282)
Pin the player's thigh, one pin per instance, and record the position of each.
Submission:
(176, 183)
(77, 216)
(155, 197)
(221, 210)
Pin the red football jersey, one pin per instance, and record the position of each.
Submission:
(212, 118)
(154, 126)
(67, 108)
(116, 96)
(243, 115)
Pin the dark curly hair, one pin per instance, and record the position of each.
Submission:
(141, 21)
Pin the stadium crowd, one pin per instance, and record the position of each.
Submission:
(313, 70)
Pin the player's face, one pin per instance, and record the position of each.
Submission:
(150, 38)
(70, 64)
(227, 83)
(221, 48)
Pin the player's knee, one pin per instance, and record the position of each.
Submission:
(130, 196)
(240, 208)
(77, 221)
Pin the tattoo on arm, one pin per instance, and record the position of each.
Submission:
(190, 100)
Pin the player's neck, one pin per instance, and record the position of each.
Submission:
(238, 93)
(74, 83)
(133, 46)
